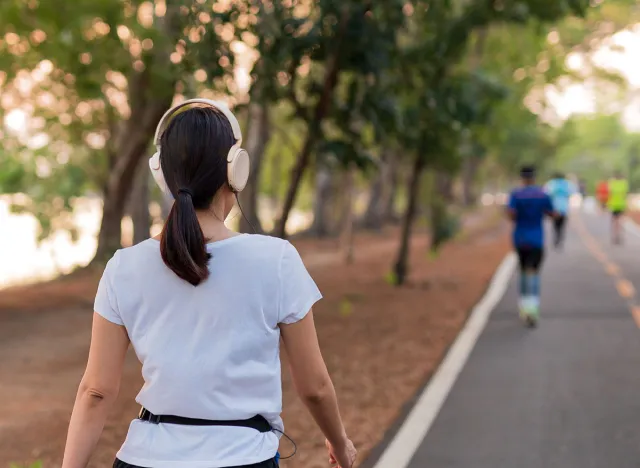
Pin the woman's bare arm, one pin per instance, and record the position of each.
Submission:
(312, 381)
(98, 390)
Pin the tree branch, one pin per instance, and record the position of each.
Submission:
(300, 111)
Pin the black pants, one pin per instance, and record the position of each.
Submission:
(617, 213)
(530, 258)
(265, 464)
(559, 224)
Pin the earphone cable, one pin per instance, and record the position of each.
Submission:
(295, 447)
(255, 231)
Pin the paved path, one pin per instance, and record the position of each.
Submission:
(565, 395)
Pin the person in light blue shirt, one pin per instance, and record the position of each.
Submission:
(560, 190)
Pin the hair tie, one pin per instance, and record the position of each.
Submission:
(185, 191)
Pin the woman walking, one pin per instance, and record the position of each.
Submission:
(204, 309)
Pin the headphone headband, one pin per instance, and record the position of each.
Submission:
(238, 163)
(219, 105)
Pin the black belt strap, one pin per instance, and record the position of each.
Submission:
(259, 423)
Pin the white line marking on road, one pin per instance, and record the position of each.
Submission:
(417, 424)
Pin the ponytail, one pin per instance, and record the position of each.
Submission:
(182, 244)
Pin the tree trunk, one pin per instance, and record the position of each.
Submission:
(442, 225)
(294, 183)
(469, 171)
(380, 193)
(401, 265)
(472, 161)
(321, 201)
(258, 134)
(132, 147)
(373, 214)
(347, 229)
(390, 192)
(438, 209)
(320, 111)
(139, 205)
(276, 169)
(444, 186)
(148, 101)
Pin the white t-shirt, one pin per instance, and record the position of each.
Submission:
(209, 351)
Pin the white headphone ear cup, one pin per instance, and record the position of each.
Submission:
(156, 171)
(238, 168)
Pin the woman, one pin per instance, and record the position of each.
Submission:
(204, 309)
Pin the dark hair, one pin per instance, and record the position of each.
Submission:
(528, 172)
(558, 175)
(193, 157)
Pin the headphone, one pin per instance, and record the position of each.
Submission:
(238, 163)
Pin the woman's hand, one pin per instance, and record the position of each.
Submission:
(343, 456)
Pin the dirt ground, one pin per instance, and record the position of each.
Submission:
(381, 343)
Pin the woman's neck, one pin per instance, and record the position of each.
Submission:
(213, 226)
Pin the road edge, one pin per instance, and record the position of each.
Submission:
(415, 426)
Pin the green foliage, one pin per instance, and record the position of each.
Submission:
(445, 228)
(443, 80)
(391, 278)
(525, 58)
(594, 147)
(346, 307)
(334, 44)
(37, 464)
(90, 67)
(446, 104)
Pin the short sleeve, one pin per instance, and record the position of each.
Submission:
(512, 201)
(106, 304)
(298, 291)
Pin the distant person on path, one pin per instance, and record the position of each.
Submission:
(205, 310)
(528, 206)
(617, 204)
(602, 194)
(582, 188)
(560, 190)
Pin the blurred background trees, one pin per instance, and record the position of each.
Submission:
(356, 114)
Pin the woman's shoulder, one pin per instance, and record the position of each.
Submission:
(257, 250)
(270, 246)
(138, 254)
(148, 247)
(265, 241)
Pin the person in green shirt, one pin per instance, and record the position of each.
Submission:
(617, 204)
